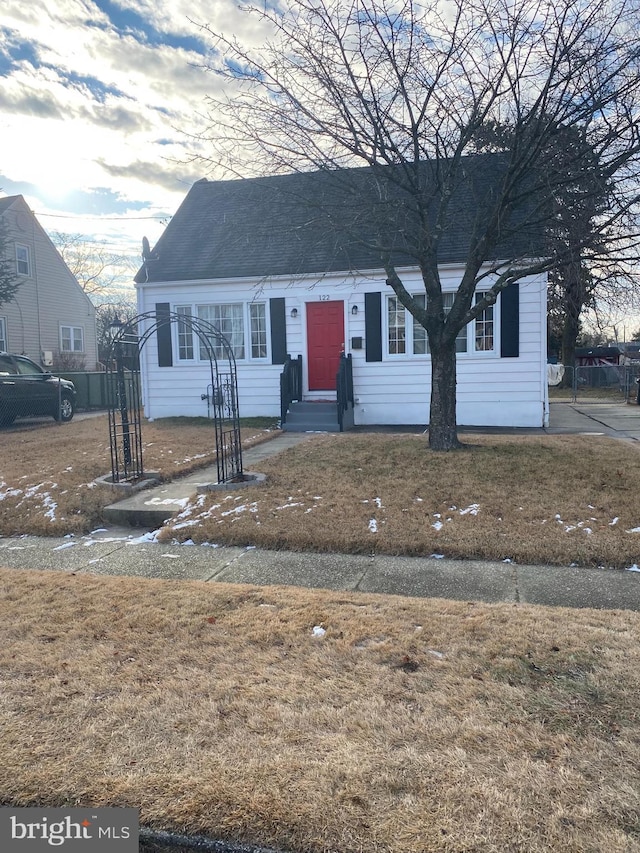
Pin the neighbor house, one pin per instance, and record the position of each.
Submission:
(254, 258)
(50, 319)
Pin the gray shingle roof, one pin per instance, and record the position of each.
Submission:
(315, 223)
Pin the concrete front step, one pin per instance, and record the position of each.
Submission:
(312, 417)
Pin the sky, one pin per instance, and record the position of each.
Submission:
(99, 104)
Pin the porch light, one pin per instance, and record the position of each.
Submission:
(294, 313)
(354, 310)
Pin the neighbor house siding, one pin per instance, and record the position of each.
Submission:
(48, 298)
(492, 391)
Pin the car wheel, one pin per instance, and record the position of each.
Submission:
(66, 410)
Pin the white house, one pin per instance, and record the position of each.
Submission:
(50, 319)
(277, 285)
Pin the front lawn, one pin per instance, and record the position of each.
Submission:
(322, 721)
(548, 499)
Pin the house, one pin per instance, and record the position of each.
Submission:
(50, 319)
(255, 258)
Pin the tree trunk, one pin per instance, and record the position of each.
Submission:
(443, 433)
(570, 332)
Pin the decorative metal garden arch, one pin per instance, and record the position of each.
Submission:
(123, 388)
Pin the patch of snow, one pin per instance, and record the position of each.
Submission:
(634, 530)
(472, 509)
(633, 568)
(64, 546)
(437, 556)
(373, 526)
(435, 654)
(151, 536)
(437, 525)
(318, 631)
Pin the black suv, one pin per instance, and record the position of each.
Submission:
(27, 390)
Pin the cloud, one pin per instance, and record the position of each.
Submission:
(174, 177)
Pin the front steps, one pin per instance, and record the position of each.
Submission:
(312, 417)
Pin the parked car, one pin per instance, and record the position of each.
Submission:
(26, 390)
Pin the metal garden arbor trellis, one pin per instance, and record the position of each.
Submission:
(123, 384)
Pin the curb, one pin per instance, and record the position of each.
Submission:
(157, 841)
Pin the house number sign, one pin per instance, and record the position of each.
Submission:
(324, 297)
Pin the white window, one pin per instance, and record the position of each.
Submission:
(420, 340)
(484, 337)
(258, 325)
(3, 335)
(228, 319)
(185, 334)
(23, 261)
(397, 327)
(405, 336)
(243, 324)
(71, 339)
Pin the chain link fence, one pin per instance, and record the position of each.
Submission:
(602, 383)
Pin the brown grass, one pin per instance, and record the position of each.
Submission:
(47, 470)
(550, 499)
(412, 726)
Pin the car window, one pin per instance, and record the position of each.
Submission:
(27, 368)
(6, 365)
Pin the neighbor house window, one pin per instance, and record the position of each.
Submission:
(258, 323)
(483, 333)
(23, 261)
(71, 339)
(3, 335)
(185, 334)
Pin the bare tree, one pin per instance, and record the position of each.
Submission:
(95, 267)
(404, 88)
(9, 282)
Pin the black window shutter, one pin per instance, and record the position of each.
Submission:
(165, 352)
(373, 326)
(510, 321)
(278, 331)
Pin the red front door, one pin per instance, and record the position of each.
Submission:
(325, 342)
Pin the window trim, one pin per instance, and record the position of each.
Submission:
(470, 352)
(26, 260)
(248, 357)
(4, 338)
(73, 329)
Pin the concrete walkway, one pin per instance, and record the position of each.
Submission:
(122, 550)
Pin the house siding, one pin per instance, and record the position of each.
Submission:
(48, 298)
(492, 391)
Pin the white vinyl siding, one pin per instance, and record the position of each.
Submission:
(3, 335)
(23, 260)
(71, 339)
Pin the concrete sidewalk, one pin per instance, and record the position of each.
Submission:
(121, 552)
